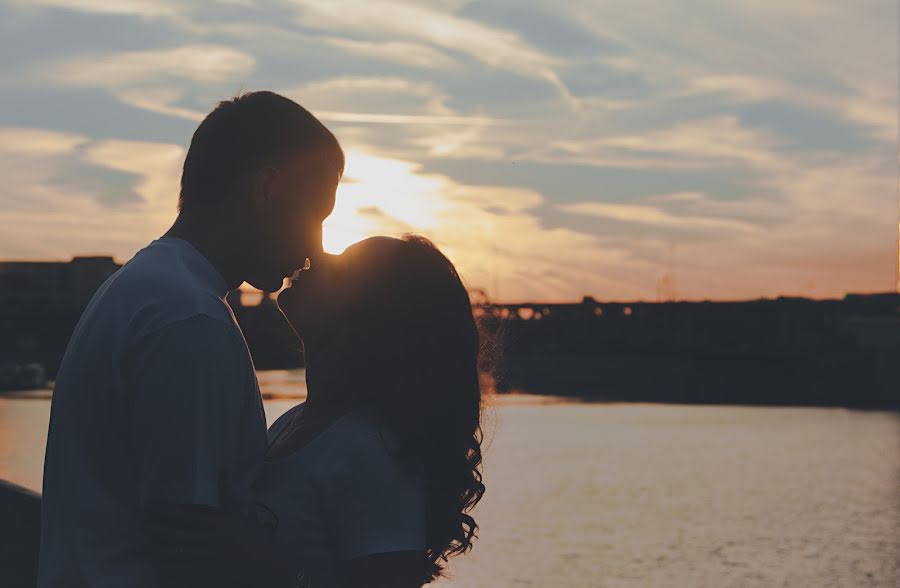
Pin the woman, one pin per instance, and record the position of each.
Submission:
(371, 480)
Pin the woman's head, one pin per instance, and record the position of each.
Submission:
(391, 321)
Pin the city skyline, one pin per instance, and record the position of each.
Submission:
(728, 150)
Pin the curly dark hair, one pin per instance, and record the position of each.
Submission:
(419, 345)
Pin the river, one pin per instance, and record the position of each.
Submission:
(616, 495)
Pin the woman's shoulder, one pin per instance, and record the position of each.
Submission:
(359, 434)
(281, 422)
(363, 444)
(377, 501)
(356, 445)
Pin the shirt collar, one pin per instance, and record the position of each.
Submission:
(200, 265)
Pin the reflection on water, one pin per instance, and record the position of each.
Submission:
(282, 384)
(649, 495)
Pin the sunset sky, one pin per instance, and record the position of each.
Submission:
(745, 147)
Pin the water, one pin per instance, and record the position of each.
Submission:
(648, 495)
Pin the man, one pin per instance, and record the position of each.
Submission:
(157, 398)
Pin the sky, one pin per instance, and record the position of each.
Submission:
(727, 149)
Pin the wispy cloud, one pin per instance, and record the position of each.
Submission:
(46, 215)
(201, 64)
(878, 113)
(652, 215)
(148, 9)
(765, 50)
(38, 142)
(492, 233)
(693, 144)
(387, 95)
(406, 119)
(156, 165)
(433, 25)
(162, 100)
(31, 161)
(641, 137)
(388, 100)
(399, 52)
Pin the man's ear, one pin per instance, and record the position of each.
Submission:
(262, 187)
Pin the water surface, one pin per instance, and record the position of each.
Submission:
(647, 495)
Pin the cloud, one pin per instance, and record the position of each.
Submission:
(46, 215)
(467, 143)
(200, 64)
(31, 162)
(843, 186)
(149, 80)
(403, 119)
(880, 114)
(492, 233)
(162, 100)
(673, 124)
(388, 94)
(763, 50)
(426, 123)
(694, 144)
(798, 232)
(157, 166)
(652, 215)
(38, 142)
(742, 87)
(711, 139)
(439, 26)
(877, 113)
(401, 53)
(148, 9)
(389, 101)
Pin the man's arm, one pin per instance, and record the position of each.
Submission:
(400, 569)
(189, 387)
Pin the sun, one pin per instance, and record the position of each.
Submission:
(345, 227)
(381, 196)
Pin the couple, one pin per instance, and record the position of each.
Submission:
(159, 470)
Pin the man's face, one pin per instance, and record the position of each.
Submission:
(290, 203)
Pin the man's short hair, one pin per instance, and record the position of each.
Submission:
(242, 135)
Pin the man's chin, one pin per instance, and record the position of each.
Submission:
(273, 284)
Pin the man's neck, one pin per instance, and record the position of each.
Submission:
(210, 243)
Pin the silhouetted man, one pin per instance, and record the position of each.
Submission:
(156, 396)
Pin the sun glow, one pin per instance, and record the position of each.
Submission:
(381, 196)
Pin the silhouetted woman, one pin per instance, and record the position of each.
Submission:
(371, 480)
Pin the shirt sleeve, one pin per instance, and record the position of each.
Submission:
(189, 389)
(377, 504)
(282, 422)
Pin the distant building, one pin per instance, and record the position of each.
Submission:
(26, 286)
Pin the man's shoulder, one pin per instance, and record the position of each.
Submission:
(195, 335)
(154, 291)
(156, 271)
